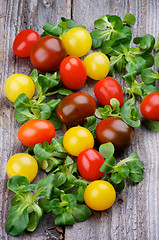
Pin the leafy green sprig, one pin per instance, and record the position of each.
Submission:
(36, 108)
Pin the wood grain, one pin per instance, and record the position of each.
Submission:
(135, 212)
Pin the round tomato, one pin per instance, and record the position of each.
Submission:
(22, 164)
(17, 84)
(106, 89)
(36, 131)
(74, 108)
(97, 65)
(89, 162)
(150, 106)
(99, 195)
(116, 131)
(47, 54)
(77, 41)
(77, 139)
(24, 41)
(73, 73)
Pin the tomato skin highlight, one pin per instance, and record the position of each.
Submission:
(150, 106)
(77, 41)
(74, 108)
(106, 89)
(77, 139)
(116, 131)
(47, 54)
(99, 195)
(22, 164)
(89, 162)
(36, 131)
(24, 42)
(18, 83)
(73, 73)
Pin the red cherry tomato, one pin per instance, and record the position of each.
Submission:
(73, 73)
(106, 89)
(36, 131)
(116, 131)
(74, 108)
(150, 106)
(24, 41)
(47, 54)
(89, 162)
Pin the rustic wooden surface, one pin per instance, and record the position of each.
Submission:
(135, 214)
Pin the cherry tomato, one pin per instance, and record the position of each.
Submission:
(24, 41)
(89, 162)
(73, 73)
(116, 131)
(77, 41)
(22, 164)
(74, 108)
(77, 139)
(150, 106)
(17, 84)
(36, 131)
(97, 65)
(99, 195)
(47, 54)
(106, 89)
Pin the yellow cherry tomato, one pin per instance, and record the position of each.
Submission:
(18, 83)
(99, 195)
(77, 41)
(77, 139)
(97, 65)
(22, 164)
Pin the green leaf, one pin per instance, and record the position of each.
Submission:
(55, 206)
(59, 179)
(103, 112)
(53, 103)
(55, 121)
(135, 172)
(152, 125)
(102, 23)
(108, 164)
(106, 150)
(68, 161)
(64, 91)
(44, 203)
(147, 42)
(17, 183)
(156, 44)
(98, 38)
(81, 212)
(91, 123)
(116, 177)
(121, 36)
(66, 24)
(123, 170)
(79, 193)
(70, 200)
(106, 47)
(34, 218)
(45, 186)
(115, 105)
(52, 29)
(34, 75)
(45, 111)
(147, 89)
(64, 218)
(135, 64)
(149, 76)
(129, 18)
(23, 115)
(149, 59)
(17, 200)
(118, 187)
(22, 101)
(116, 22)
(157, 59)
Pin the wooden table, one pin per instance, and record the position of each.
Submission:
(135, 212)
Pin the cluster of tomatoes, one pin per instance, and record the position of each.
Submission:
(48, 54)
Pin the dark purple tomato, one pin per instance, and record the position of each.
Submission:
(47, 54)
(116, 131)
(74, 108)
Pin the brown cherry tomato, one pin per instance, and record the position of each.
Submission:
(47, 54)
(74, 108)
(116, 131)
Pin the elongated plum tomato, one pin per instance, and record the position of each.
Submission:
(74, 108)
(18, 83)
(36, 131)
(47, 54)
(116, 131)
(97, 65)
(73, 73)
(89, 162)
(24, 41)
(106, 89)
(99, 195)
(22, 164)
(150, 106)
(77, 139)
(77, 41)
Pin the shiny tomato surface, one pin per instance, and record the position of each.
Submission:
(116, 131)
(106, 89)
(24, 42)
(89, 162)
(36, 131)
(73, 72)
(74, 108)
(47, 54)
(150, 106)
